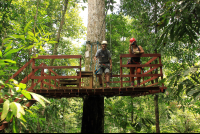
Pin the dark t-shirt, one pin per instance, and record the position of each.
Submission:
(103, 55)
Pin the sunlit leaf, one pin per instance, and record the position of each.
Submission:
(18, 36)
(52, 42)
(26, 94)
(22, 118)
(0, 54)
(29, 111)
(38, 98)
(8, 46)
(22, 85)
(13, 107)
(27, 25)
(1, 82)
(9, 116)
(41, 97)
(7, 39)
(5, 109)
(42, 48)
(12, 51)
(11, 61)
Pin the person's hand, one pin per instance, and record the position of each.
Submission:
(110, 67)
(136, 52)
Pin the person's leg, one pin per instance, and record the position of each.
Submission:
(138, 78)
(107, 73)
(132, 71)
(100, 80)
(100, 77)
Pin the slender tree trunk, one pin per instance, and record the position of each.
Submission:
(156, 62)
(55, 51)
(157, 113)
(93, 107)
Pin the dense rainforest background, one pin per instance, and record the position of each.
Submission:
(53, 27)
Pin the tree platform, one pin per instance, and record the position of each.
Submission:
(107, 92)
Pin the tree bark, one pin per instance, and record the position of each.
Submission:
(55, 51)
(93, 115)
(93, 107)
(157, 113)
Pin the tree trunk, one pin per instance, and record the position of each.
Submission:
(93, 107)
(55, 51)
(157, 113)
(156, 62)
(93, 115)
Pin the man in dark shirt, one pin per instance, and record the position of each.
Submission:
(105, 63)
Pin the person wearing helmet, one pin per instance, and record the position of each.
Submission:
(135, 49)
(105, 63)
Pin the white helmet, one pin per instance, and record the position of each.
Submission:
(104, 42)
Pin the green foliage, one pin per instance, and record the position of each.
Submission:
(62, 115)
(29, 28)
(180, 21)
(14, 110)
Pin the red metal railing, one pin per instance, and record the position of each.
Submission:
(56, 77)
(144, 74)
(42, 66)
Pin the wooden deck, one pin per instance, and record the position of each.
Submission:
(109, 92)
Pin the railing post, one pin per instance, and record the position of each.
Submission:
(161, 72)
(121, 72)
(42, 74)
(80, 75)
(152, 82)
(33, 65)
(49, 80)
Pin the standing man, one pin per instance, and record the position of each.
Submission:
(105, 63)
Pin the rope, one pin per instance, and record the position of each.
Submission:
(96, 61)
(91, 54)
(91, 58)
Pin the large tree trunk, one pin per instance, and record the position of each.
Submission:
(93, 115)
(93, 107)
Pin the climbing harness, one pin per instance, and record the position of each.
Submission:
(101, 66)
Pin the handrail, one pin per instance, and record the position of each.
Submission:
(49, 77)
(57, 56)
(147, 64)
(139, 55)
(19, 71)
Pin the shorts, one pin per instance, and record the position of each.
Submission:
(104, 69)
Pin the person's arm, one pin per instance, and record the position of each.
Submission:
(95, 59)
(130, 52)
(139, 52)
(96, 56)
